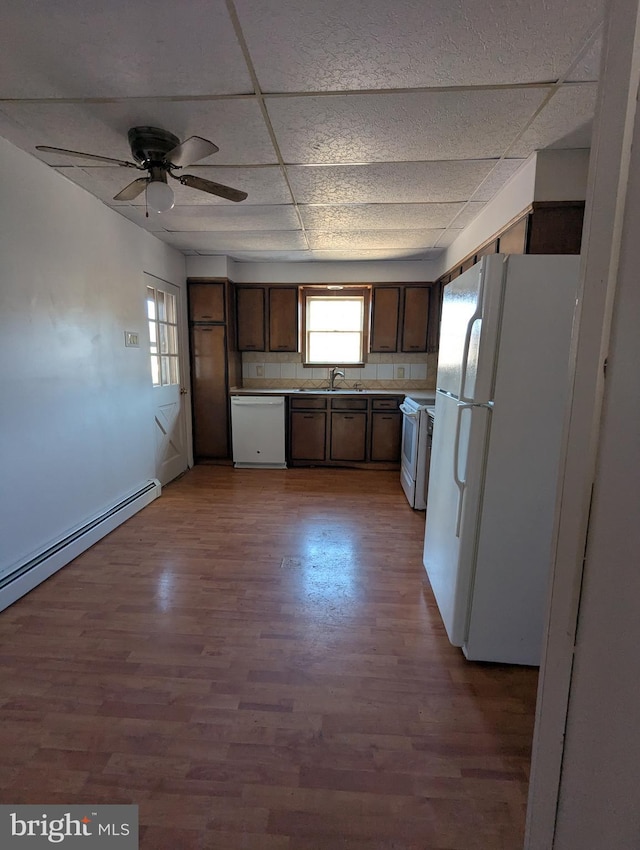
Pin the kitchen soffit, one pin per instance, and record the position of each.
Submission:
(418, 113)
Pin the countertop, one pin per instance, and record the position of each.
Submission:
(338, 391)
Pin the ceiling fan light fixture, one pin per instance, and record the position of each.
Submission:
(159, 196)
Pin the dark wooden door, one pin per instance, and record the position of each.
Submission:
(210, 392)
(250, 301)
(308, 430)
(385, 308)
(283, 318)
(348, 436)
(206, 302)
(415, 318)
(386, 434)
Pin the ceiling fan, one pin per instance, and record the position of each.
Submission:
(160, 153)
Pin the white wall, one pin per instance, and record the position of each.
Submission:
(314, 272)
(76, 417)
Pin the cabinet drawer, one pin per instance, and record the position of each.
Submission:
(348, 403)
(385, 403)
(308, 403)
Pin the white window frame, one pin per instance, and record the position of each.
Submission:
(361, 292)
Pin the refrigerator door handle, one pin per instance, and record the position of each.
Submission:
(460, 484)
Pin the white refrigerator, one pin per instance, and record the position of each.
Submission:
(502, 391)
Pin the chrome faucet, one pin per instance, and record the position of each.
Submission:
(333, 374)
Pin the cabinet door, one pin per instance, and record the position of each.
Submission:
(415, 318)
(206, 302)
(514, 239)
(348, 436)
(385, 307)
(209, 384)
(386, 434)
(283, 318)
(308, 430)
(250, 306)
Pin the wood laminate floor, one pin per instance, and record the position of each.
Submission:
(257, 661)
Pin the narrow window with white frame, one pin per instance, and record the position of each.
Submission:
(335, 326)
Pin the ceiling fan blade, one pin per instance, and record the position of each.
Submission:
(132, 190)
(191, 150)
(124, 162)
(211, 187)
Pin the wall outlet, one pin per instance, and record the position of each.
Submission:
(260, 371)
(400, 372)
(131, 339)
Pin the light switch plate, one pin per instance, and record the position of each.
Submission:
(131, 339)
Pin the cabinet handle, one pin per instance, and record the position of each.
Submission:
(386, 417)
(309, 416)
(347, 417)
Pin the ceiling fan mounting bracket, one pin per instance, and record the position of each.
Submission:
(150, 145)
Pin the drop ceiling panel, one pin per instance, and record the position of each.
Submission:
(229, 217)
(565, 122)
(469, 212)
(227, 242)
(497, 177)
(380, 183)
(310, 46)
(118, 49)
(374, 254)
(401, 127)
(235, 125)
(378, 216)
(588, 67)
(263, 185)
(376, 239)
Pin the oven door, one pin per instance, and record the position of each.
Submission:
(409, 455)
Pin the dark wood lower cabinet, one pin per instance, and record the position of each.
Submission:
(386, 436)
(348, 436)
(308, 435)
(344, 430)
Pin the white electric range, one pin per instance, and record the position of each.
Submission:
(417, 427)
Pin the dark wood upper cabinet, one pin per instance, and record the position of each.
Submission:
(283, 318)
(385, 313)
(250, 305)
(415, 319)
(207, 302)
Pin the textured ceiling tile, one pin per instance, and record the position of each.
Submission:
(588, 67)
(236, 126)
(378, 216)
(264, 256)
(405, 182)
(497, 177)
(234, 217)
(375, 254)
(471, 211)
(401, 127)
(564, 123)
(378, 239)
(304, 45)
(115, 49)
(225, 242)
(153, 222)
(263, 185)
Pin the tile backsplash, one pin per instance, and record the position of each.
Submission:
(382, 371)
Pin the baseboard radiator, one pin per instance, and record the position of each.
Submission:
(24, 577)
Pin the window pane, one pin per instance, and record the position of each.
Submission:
(173, 364)
(164, 366)
(152, 333)
(162, 311)
(324, 347)
(151, 303)
(155, 371)
(164, 339)
(334, 314)
(170, 304)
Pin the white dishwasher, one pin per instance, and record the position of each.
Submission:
(257, 431)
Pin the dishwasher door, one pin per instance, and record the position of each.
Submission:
(257, 431)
